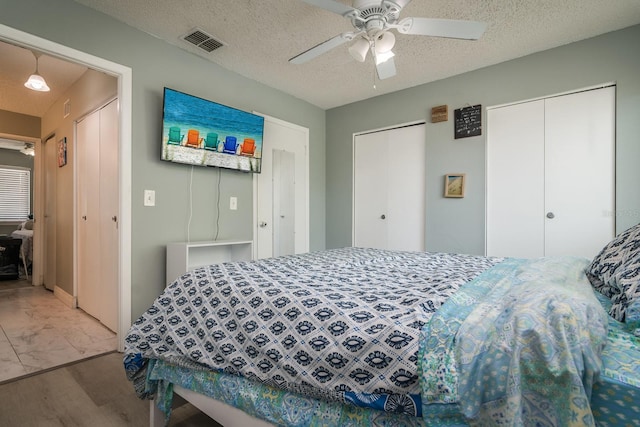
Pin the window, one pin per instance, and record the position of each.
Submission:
(15, 193)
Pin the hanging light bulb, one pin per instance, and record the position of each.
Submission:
(36, 81)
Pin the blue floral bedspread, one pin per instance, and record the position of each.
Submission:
(520, 345)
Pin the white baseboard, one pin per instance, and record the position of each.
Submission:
(68, 300)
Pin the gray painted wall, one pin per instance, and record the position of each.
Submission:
(157, 64)
(457, 225)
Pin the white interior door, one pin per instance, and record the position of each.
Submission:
(550, 176)
(88, 248)
(515, 180)
(389, 210)
(98, 206)
(285, 161)
(284, 212)
(579, 179)
(370, 190)
(49, 214)
(109, 207)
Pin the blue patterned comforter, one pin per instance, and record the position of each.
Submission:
(396, 331)
(519, 345)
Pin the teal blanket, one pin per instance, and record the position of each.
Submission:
(520, 345)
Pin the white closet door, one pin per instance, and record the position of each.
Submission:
(550, 176)
(389, 189)
(370, 190)
(515, 180)
(88, 157)
(579, 160)
(109, 207)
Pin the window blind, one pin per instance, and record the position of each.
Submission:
(15, 193)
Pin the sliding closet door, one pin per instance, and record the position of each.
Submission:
(97, 244)
(579, 165)
(88, 157)
(109, 208)
(550, 176)
(515, 180)
(389, 189)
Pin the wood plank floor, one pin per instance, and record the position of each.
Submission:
(93, 392)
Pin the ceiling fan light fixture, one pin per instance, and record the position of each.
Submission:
(359, 49)
(385, 42)
(28, 150)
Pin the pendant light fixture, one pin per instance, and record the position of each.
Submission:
(36, 81)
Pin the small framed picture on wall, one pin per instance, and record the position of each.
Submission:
(454, 185)
(62, 152)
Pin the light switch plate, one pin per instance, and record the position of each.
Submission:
(233, 203)
(149, 198)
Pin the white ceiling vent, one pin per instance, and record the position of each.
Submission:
(202, 40)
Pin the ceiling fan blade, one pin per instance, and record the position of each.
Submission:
(333, 6)
(386, 69)
(450, 28)
(323, 47)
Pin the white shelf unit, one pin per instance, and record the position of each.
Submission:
(185, 256)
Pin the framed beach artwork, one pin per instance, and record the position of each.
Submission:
(454, 185)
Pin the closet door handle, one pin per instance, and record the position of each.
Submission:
(550, 215)
(383, 216)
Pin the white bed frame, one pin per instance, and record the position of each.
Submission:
(223, 414)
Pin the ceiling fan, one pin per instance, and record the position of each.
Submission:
(373, 20)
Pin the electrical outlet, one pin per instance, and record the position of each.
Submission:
(149, 198)
(233, 203)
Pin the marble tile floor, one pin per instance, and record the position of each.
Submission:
(38, 332)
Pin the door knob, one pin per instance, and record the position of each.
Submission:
(383, 216)
(114, 218)
(84, 217)
(550, 215)
(263, 224)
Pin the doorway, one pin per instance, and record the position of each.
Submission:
(281, 191)
(124, 76)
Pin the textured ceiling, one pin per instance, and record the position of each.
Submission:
(261, 35)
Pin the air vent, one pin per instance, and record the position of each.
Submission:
(202, 40)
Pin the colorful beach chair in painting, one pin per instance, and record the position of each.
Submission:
(230, 145)
(193, 139)
(248, 147)
(211, 142)
(175, 138)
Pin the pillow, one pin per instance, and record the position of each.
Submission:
(28, 225)
(615, 273)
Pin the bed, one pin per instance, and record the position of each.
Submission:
(359, 336)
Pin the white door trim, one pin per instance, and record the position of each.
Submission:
(255, 184)
(124, 76)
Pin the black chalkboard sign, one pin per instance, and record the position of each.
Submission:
(468, 121)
